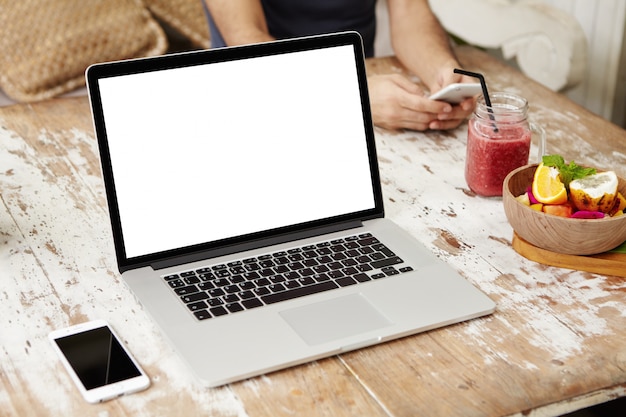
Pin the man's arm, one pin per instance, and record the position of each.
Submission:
(421, 43)
(239, 21)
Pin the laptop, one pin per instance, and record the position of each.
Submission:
(247, 211)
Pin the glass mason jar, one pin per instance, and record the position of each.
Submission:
(498, 141)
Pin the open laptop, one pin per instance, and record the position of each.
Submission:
(247, 211)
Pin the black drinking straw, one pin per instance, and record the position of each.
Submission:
(483, 84)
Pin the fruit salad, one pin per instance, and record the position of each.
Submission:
(569, 190)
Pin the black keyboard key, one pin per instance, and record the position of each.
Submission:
(306, 281)
(361, 277)
(218, 311)
(345, 281)
(251, 275)
(324, 251)
(205, 286)
(335, 265)
(237, 270)
(321, 277)
(384, 249)
(277, 279)
(230, 298)
(261, 291)
(234, 307)
(216, 292)
(171, 277)
(368, 241)
(310, 262)
(267, 263)
(247, 285)
(376, 256)
(222, 273)
(306, 272)
(335, 274)
(348, 262)
(389, 271)
(208, 276)
(406, 269)
(202, 314)
(262, 282)
(298, 292)
(292, 284)
(177, 283)
(230, 289)
(194, 297)
(378, 275)
(292, 275)
(252, 267)
(386, 262)
(349, 271)
(276, 287)
(191, 280)
(214, 302)
(200, 305)
(189, 289)
(252, 303)
(236, 279)
(295, 257)
(338, 256)
(244, 295)
(266, 272)
(187, 274)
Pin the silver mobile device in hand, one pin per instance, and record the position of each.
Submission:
(100, 366)
(457, 92)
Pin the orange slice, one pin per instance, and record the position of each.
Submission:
(594, 192)
(547, 186)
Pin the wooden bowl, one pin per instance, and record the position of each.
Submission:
(559, 234)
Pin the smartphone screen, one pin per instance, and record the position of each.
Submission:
(97, 358)
(98, 363)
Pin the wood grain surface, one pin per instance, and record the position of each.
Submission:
(555, 343)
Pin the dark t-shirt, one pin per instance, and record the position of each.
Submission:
(292, 18)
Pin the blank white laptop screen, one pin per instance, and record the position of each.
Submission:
(219, 150)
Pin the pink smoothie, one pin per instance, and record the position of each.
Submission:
(491, 156)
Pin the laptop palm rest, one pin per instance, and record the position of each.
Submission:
(334, 319)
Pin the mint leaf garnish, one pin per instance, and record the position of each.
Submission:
(568, 172)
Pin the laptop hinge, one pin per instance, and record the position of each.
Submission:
(265, 242)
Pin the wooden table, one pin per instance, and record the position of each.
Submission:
(557, 341)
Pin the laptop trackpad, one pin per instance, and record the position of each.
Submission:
(334, 319)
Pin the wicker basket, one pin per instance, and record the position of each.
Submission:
(47, 45)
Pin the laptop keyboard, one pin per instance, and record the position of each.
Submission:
(249, 283)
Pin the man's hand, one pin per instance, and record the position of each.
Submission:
(398, 103)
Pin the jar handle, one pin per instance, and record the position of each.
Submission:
(538, 130)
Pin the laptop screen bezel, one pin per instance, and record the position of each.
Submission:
(97, 72)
